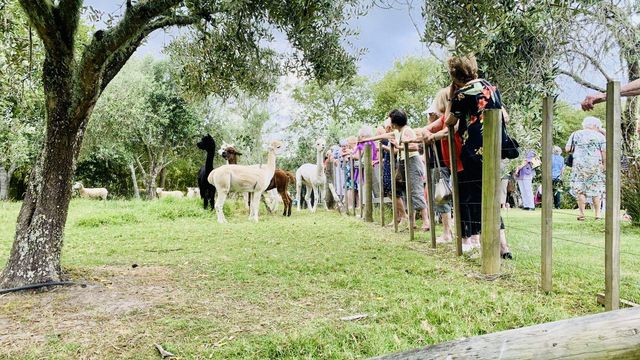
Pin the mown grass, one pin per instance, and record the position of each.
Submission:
(277, 289)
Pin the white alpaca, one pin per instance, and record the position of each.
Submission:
(90, 193)
(165, 194)
(242, 178)
(193, 192)
(314, 179)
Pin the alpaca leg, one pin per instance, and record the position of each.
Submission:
(299, 192)
(220, 206)
(285, 202)
(307, 197)
(255, 204)
(264, 201)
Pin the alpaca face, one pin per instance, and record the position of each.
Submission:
(206, 143)
(276, 146)
(77, 186)
(229, 153)
(320, 145)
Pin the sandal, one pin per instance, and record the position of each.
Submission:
(581, 218)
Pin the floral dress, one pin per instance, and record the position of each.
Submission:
(587, 173)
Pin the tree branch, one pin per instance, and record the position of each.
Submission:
(69, 18)
(593, 62)
(120, 57)
(40, 14)
(581, 81)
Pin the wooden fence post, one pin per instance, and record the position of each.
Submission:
(368, 183)
(612, 222)
(353, 186)
(547, 195)
(455, 193)
(394, 206)
(381, 182)
(361, 183)
(407, 194)
(491, 154)
(431, 189)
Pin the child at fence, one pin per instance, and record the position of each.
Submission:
(349, 183)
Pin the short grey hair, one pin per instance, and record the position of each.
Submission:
(557, 150)
(591, 121)
(365, 131)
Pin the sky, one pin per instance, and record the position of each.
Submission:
(387, 35)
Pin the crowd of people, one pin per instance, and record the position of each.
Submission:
(461, 105)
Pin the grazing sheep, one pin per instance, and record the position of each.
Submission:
(239, 178)
(193, 192)
(164, 194)
(90, 193)
(207, 191)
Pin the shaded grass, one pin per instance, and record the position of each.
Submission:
(277, 289)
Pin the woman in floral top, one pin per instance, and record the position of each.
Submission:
(469, 98)
(589, 156)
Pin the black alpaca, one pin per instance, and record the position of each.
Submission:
(207, 191)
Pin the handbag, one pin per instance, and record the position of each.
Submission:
(442, 192)
(568, 161)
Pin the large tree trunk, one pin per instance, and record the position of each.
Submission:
(134, 181)
(35, 256)
(4, 184)
(151, 183)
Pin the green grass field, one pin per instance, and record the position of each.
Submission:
(277, 289)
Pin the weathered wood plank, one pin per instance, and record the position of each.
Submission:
(381, 182)
(393, 187)
(490, 227)
(623, 303)
(368, 183)
(455, 193)
(407, 194)
(430, 204)
(612, 215)
(609, 335)
(547, 195)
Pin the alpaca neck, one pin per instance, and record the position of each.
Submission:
(271, 159)
(208, 164)
(319, 164)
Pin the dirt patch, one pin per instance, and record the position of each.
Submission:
(114, 299)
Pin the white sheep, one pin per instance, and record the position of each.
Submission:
(90, 193)
(174, 194)
(193, 192)
(241, 178)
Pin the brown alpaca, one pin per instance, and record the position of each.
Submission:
(280, 180)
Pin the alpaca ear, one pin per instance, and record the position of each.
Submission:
(238, 153)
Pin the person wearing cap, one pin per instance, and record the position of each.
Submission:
(589, 158)
(524, 176)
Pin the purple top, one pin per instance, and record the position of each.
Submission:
(360, 147)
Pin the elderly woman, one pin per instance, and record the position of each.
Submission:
(365, 132)
(470, 96)
(524, 176)
(437, 133)
(587, 174)
(403, 133)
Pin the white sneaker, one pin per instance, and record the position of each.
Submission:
(467, 247)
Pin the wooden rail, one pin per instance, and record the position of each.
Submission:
(381, 182)
(407, 194)
(368, 183)
(431, 187)
(394, 205)
(455, 194)
(609, 335)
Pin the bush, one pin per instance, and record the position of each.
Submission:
(631, 193)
